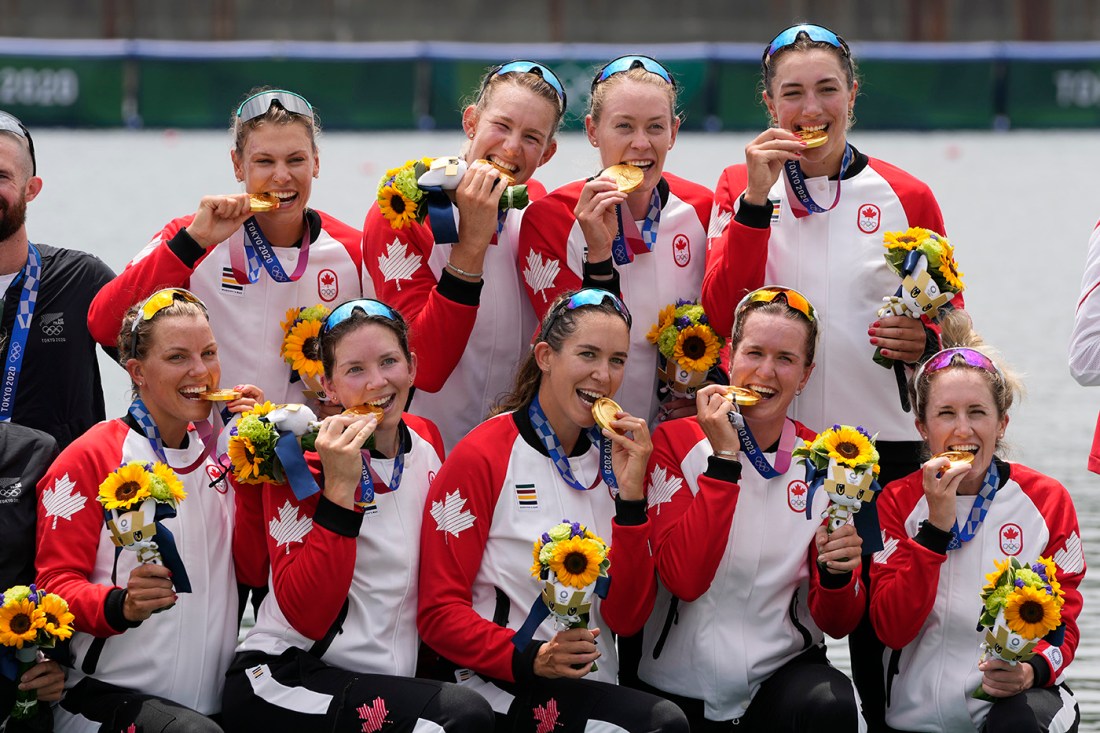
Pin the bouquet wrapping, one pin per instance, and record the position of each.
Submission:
(688, 348)
(30, 619)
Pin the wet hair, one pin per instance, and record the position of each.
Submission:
(958, 331)
(330, 339)
(275, 115)
(599, 94)
(802, 44)
(557, 325)
(776, 307)
(492, 81)
(130, 347)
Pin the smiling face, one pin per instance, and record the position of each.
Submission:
(961, 414)
(588, 366)
(514, 129)
(180, 363)
(808, 91)
(279, 159)
(771, 358)
(634, 124)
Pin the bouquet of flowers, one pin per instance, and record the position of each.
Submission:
(843, 459)
(30, 619)
(266, 444)
(403, 193)
(136, 498)
(687, 347)
(1021, 604)
(302, 346)
(571, 561)
(930, 277)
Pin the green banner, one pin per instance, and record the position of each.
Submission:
(78, 92)
(1053, 93)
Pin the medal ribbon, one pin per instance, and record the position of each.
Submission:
(629, 242)
(17, 346)
(557, 454)
(756, 456)
(978, 511)
(209, 435)
(365, 492)
(802, 203)
(261, 253)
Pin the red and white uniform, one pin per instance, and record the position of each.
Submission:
(407, 266)
(741, 558)
(246, 319)
(552, 254)
(317, 562)
(836, 260)
(1084, 342)
(926, 604)
(181, 653)
(495, 496)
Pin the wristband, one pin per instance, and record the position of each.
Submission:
(729, 455)
(604, 268)
(463, 273)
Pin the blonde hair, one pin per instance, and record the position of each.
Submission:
(275, 115)
(639, 74)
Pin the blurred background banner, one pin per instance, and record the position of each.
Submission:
(418, 85)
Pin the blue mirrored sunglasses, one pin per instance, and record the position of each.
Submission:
(587, 296)
(258, 104)
(955, 357)
(813, 32)
(626, 63)
(527, 67)
(10, 123)
(366, 306)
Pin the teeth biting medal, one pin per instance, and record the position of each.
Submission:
(603, 412)
(263, 201)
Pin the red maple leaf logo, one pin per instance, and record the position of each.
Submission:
(373, 715)
(1011, 534)
(327, 279)
(870, 213)
(547, 716)
(798, 490)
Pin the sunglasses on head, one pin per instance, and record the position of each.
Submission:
(10, 123)
(791, 297)
(258, 104)
(626, 63)
(527, 67)
(154, 304)
(366, 306)
(588, 296)
(958, 356)
(817, 33)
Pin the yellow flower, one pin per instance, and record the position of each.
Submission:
(664, 319)
(949, 268)
(246, 463)
(849, 447)
(395, 207)
(576, 562)
(291, 317)
(1031, 613)
(302, 348)
(20, 622)
(909, 239)
(175, 486)
(1052, 580)
(991, 579)
(696, 349)
(259, 410)
(58, 619)
(124, 487)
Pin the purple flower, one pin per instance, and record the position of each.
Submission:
(683, 322)
(546, 538)
(576, 530)
(682, 302)
(1019, 583)
(1049, 590)
(1040, 570)
(861, 431)
(703, 320)
(836, 428)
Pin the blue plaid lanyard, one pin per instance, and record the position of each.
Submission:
(141, 415)
(366, 484)
(796, 184)
(978, 511)
(620, 249)
(260, 253)
(17, 347)
(561, 462)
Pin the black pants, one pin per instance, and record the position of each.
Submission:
(564, 705)
(1038, 710)
(805, 695)
(298, 692)
(125, 711)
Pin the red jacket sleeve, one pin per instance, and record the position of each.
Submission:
(439, 326)
(543, 253)
(250, 558)
(463, 495)
(70, 526)
(633, 588)
(836, 611)
(155, 267)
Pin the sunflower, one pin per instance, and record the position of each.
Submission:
(396, 207)
(58, 619)
(20, 622)
(1052, 579)
(909, 239)
(536, 569)
(169, 477)
(1031, 613)
(696, 349)
(247, 463)
(949, 268)
(576, 562)
(125, 487)
(291, 317)
(849, 447)
(664, 319)
(994, 578)
(302, 348)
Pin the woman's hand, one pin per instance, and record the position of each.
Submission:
(764, 159)
(574, 646)
(478, 200)
(596, 213)
(839, 552)
(251, 395)
(941, 485)
(46, 678)
(899, 337)
(712, 414)
(339, 444)
(629, 454)
(218, 217)
(1001, 679)
(148, 589)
